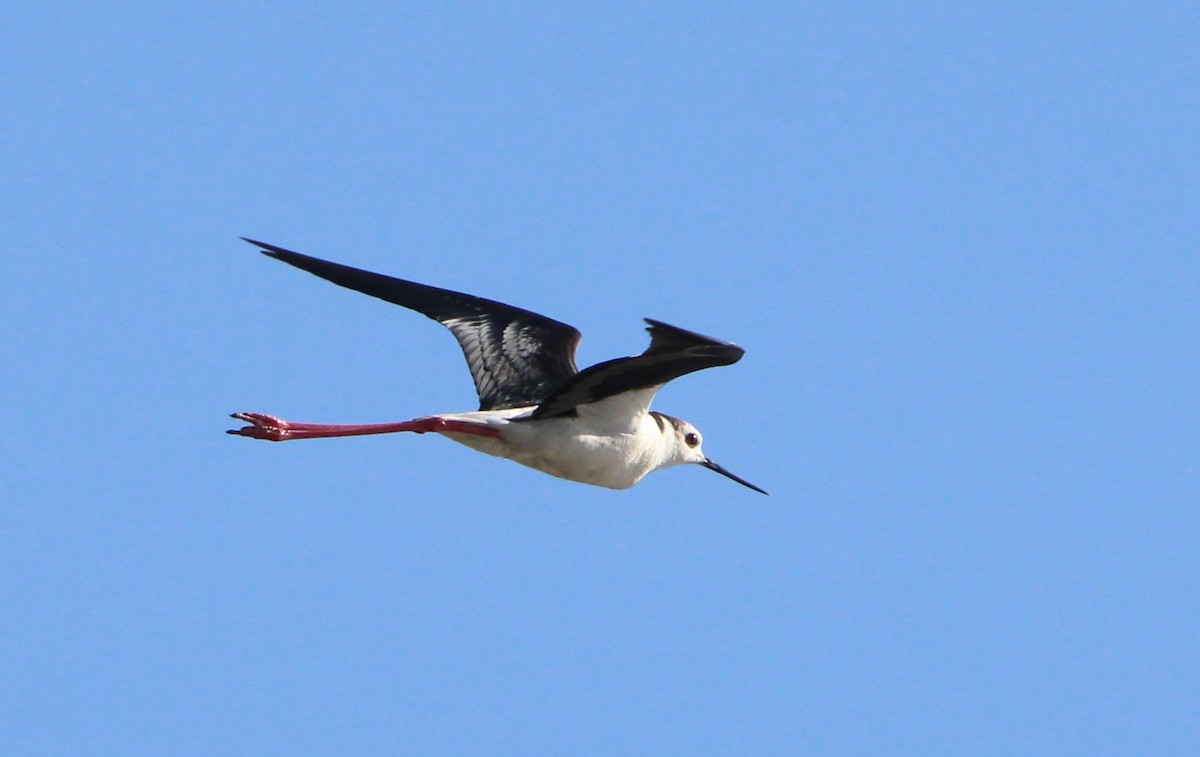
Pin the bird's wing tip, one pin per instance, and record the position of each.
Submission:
(659, 329)
(269, 250)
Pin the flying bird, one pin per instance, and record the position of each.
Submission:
(536, 407)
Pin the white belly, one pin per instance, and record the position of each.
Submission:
(567, 447)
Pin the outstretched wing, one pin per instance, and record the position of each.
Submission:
(673, 352)
(516, 357)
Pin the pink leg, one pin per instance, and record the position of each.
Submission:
(274, 429)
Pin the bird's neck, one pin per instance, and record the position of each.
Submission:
(663, 431)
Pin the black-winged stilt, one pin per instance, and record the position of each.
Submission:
(535, 407)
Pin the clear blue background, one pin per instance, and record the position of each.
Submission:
(958, 241)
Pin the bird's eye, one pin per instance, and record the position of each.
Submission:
(691, 439)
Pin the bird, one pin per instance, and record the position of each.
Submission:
(536, 407)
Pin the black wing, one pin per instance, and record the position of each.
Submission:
(516, 357)
(673, 352)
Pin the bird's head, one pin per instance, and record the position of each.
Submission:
(688, 445)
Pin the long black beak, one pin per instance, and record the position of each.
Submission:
(713, 466)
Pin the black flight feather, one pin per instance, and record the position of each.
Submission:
(673, 352)
(517, 358)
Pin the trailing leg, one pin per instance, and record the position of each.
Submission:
(272, 429)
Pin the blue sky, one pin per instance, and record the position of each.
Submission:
(959, 243)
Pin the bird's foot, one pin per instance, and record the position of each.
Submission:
(266, 427)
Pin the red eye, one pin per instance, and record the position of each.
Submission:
(691, 439)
